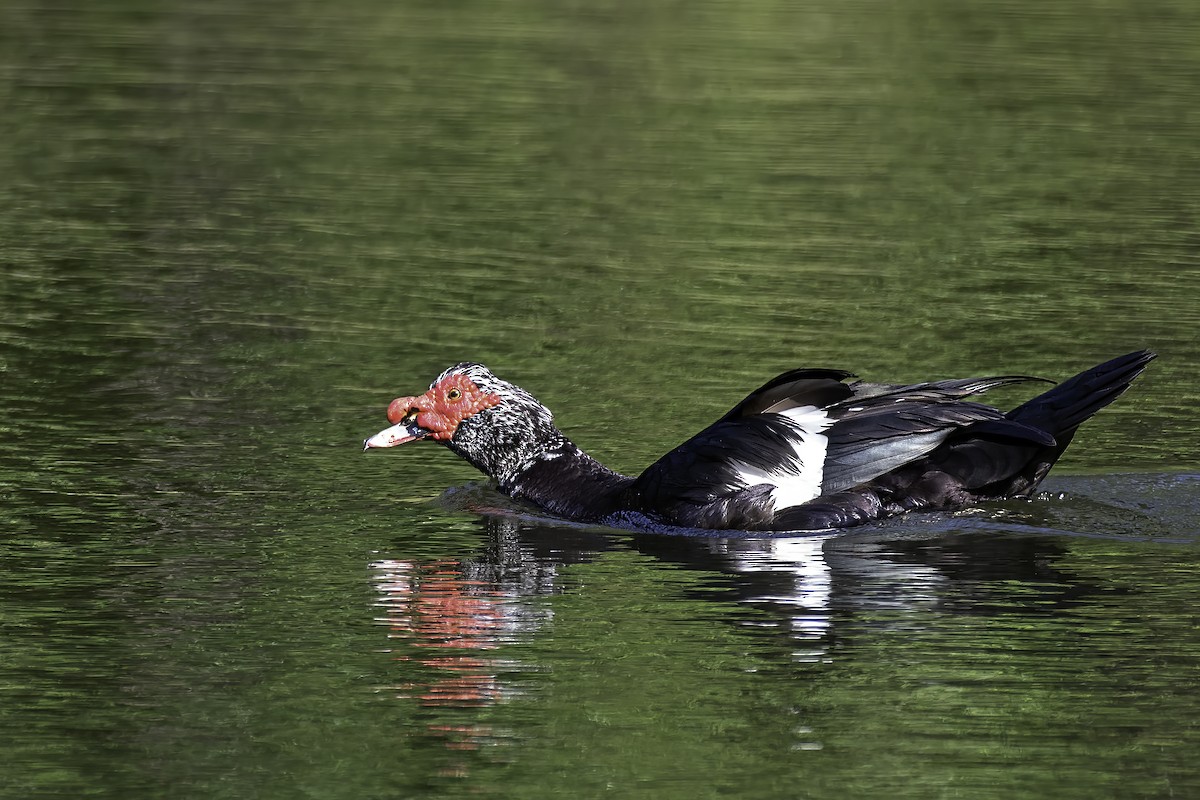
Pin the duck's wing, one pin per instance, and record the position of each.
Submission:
(804, 434)
(726, 476)
(798, 387)
(884, 428)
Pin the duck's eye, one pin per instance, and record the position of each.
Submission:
(453, 395)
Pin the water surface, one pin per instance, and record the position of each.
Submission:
(231, 234)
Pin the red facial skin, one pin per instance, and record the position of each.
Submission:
(443, 407)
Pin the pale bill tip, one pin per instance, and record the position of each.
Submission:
(397, 434)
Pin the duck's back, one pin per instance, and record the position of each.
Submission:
(808, 450)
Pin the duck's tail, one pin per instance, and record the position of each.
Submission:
(1068, 405)
(1060, 411)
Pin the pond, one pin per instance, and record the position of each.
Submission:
(232, 233)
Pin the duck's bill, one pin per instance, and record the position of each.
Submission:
(399, 433)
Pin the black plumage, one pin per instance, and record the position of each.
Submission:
(807, 450)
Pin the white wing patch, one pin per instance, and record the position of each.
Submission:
(798, 478)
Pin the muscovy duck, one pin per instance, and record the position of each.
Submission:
(806, 451)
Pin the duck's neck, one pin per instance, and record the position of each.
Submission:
(567, 482)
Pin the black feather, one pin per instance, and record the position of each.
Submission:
(888, 449)
(793, 389)
(885, 427)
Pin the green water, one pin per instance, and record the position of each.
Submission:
(230, 233)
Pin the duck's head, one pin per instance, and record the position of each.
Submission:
(492, 423)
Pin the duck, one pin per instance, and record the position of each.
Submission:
(811, 449)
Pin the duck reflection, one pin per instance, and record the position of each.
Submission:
(450, 620)
(471, 604)
(949, 566)
(447, 618)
